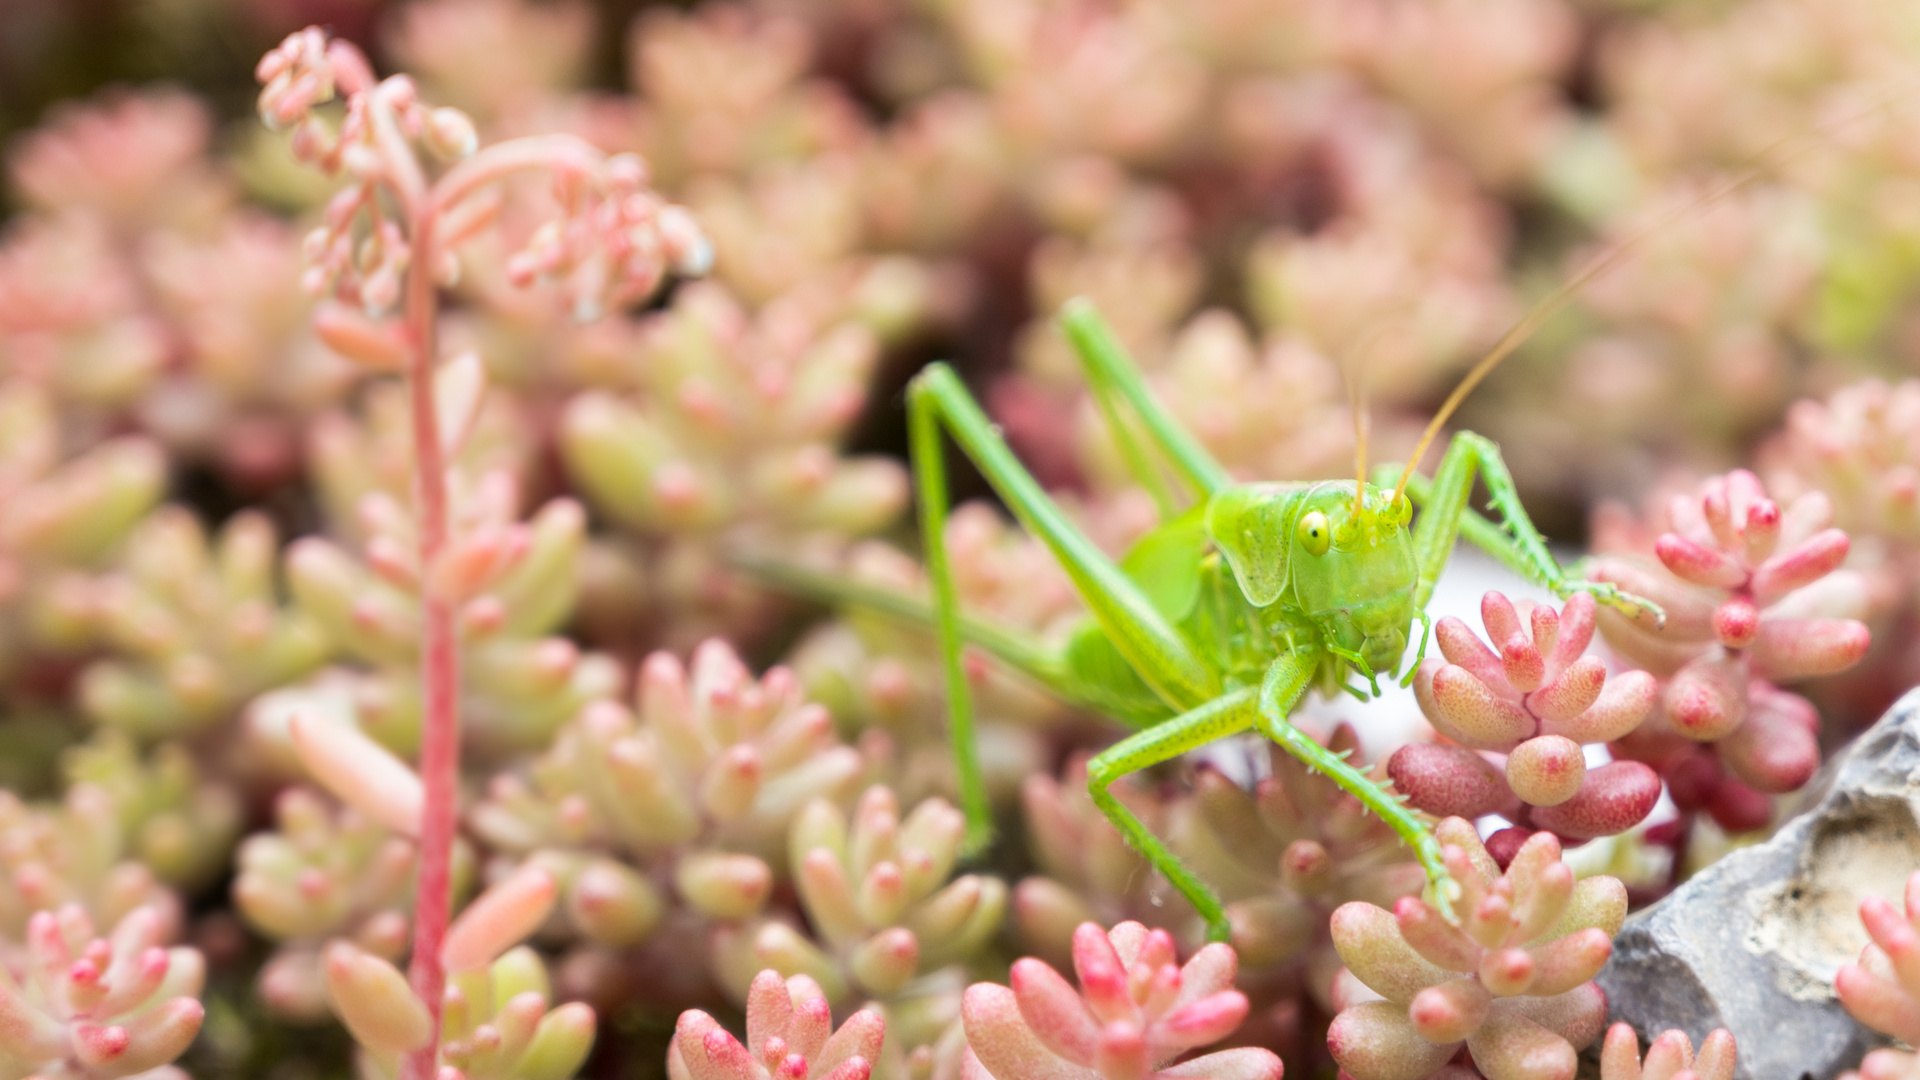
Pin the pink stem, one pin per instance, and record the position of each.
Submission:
(440, 659)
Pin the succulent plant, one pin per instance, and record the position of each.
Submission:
(74, 853)
(84, 1006)
(790, 1034)
(199, 626)
(499, 1023)
(1538, 700)
(326, 873)
(1136, 1009)
(697, 789)
(1670, 1056)
(513, 580)
(1879, 989)
(876, 889)
(1512, 982)
(67, 515)
(1287, 854)
(1751, 591)
(179, 821)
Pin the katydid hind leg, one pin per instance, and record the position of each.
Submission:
(1227, 715)
(930, 485)
(1286, 684)
(937, 401)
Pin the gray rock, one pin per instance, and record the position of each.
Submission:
(1752, 942)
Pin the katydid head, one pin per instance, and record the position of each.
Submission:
(1342, 557)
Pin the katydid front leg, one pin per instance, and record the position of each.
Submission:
(1285, 685)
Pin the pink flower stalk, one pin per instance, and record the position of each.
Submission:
(613, 243)
(1512, 982)
(1669, 1057)
(1536, 697)
(1135, 1011)
(1882, 988)
(790, 1035)
(1751, 591)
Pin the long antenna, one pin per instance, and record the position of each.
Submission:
(1770, 158)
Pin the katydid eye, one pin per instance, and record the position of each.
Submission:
(1401, 511)
(1315, 533)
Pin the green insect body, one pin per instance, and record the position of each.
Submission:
(1223, 618)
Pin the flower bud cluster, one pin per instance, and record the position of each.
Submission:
(790, 1035)
(1512, 982)
(1753, 596)
(63, 516)
(198, 627)
(1135, 1010)
(1539, 699)
(876, 891)
(1289, 852)
(698, 788)
(325, 873)
(81, 1006)
(1882, 988)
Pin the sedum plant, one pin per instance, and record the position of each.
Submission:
(790, 1034)
(1135, 1010)
(1288, 854)
(1880, 990)
(198, 625)
(1670, 1056)
(694, 790)
(1754, 596)
(79, 1005)
(1511, 982)
(875, 888)
(1536, 698)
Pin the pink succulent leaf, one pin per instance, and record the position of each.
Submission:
(1054, 1010)
(1240, 1063)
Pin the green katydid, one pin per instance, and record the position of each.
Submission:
(1224, 617)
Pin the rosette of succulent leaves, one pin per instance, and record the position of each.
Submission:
(515, 576)
(713, 432)
(1755, 596)
(1285, 855)
(84, 1007)
(68, 514)
(194, 627)
(679, 804)
(1536, 697)
(1511, 984)
(889, 921)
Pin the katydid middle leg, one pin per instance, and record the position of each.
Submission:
(1285, 685)
(1226, 715)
